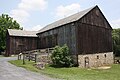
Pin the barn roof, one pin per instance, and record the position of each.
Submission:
(66, 20)
(14, 32)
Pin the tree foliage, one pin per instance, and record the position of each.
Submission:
(116, 41)
(61, 57)
(6, 22)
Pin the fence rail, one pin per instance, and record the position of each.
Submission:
(33, 54)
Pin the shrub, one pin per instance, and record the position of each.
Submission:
(61, 57)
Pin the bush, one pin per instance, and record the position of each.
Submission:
(61, 57)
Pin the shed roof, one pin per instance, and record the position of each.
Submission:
(14, 32)
(66, 20)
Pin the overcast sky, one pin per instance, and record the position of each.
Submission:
(35, 14)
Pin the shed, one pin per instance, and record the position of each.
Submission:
(87, 34)
(20, 40)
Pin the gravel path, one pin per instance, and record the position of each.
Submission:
(11, 72)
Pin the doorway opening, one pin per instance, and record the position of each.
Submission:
(86, 62)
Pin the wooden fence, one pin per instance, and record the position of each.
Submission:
(33, 55)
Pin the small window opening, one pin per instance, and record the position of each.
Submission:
(105, 55)
(97, 57)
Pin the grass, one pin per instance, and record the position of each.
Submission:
(74, 73)
(1, 56)
(28, 65)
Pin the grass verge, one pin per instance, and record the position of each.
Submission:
(74, 73)
(1, 56)
(28, 65)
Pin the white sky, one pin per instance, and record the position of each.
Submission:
(35, 14)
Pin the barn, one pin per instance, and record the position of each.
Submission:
(20, 40)
(87, 34)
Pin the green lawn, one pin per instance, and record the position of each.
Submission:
(1, 56)
(74, 73)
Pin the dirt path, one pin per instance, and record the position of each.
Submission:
(11, 72)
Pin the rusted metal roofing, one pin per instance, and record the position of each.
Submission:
(14, 32)
(66, 20)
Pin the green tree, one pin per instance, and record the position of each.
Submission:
(116, 41)
(6, 22)
(61, 57)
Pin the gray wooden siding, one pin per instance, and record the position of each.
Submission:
(93, 33)
(64, 34)
(14, 43)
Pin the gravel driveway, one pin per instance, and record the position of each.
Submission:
(11, 72)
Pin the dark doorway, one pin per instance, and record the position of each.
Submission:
(86, 62)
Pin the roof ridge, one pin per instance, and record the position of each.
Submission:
(64, 21)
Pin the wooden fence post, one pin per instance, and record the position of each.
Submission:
(23, 58)
(35, 58)
(29, 56)
(18, 57)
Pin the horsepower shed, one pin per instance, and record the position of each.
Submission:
(20, 40)
(87, 34)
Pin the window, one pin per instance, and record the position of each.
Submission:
(105, 55)
(97, 57)
(97, 13)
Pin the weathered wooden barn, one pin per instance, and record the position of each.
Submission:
(87, 34)
(20, 40)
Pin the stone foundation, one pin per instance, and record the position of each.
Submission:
(44, 58)
(95, 60)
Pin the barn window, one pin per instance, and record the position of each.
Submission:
(97, 13)
(105, 55)
(97, 57)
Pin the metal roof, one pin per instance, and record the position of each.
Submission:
(14, 32)
(66, 20)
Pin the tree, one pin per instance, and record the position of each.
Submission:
(61, 57)
(6, 22)
(116, 41)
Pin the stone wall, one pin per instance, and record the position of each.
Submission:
(44, 58)
(95, 60)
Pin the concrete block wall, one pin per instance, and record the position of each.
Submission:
(95, 60)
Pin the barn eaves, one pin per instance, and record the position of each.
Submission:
(22, 33)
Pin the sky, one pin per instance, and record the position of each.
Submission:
(35, 14)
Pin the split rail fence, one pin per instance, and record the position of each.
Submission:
(34, 54)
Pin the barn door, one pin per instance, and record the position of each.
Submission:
(86, 62)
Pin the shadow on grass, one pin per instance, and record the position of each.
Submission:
(56, 66)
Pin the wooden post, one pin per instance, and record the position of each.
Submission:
(29, 56)
(35, 58)
(18, 57)
(23, 58)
